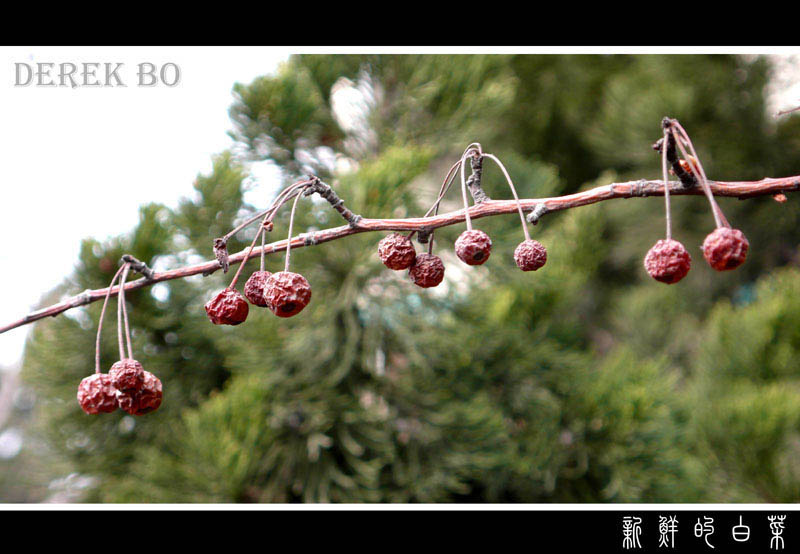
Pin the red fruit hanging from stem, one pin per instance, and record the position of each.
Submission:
(396, 251)
(427, 271)
(127, 375)
(96, 392)
(287, 293)
(473, 247)
(97, 395)
(530, 255)
(667, 261)
(145, 400)
(228, 307)
(254, 288)
(725, 248)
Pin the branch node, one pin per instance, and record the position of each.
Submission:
(327, 192)
(221, 253)
(638, 188)
(139, 266)
(474, 180)
(80, 300)
(688, 180)
(538, 211)
(309, 239)
(423, 236)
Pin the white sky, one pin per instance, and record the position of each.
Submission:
(79, 162)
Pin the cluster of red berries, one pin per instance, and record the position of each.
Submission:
(473, 247)
(669, 262)
(126, 385)
(284, 293)
(397, 252)
(724, 249)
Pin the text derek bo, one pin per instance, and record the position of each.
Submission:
(94, 74)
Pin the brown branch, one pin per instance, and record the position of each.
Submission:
(539, 206)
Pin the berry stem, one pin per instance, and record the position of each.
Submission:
(247, 222)
(100, 323)
(283, 197)
(264, 213)
(448, 180)
(513, 191)
(666, 184)
(263, 243)
(247, 257)
(681, 137)
(289, 238)
(121, 311)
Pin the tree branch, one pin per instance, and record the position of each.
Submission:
(487, 208)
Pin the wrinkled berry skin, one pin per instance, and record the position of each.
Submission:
(427, 271)
(127, 375)
(228, 307)
(667, 261)
(287, 293)
(146, 400)
(473, 247)
(530, 255)
(725, 248)
(97, 395)
(254, 288)
(396, 251)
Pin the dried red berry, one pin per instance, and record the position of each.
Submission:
(254, 288)
(396, 251)
(473, 247)
(146, 400)
(228, 307)
(127, 375)
(287, 293)
(725, 248)
(97, 395)
(426, 271)
(667, 261)
(530, 255)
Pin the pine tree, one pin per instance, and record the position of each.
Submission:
(567, 384)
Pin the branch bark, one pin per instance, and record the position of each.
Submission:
(487, 208)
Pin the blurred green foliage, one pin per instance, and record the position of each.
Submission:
(585, 381)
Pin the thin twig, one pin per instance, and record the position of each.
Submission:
(631, 189)
(784, 112)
